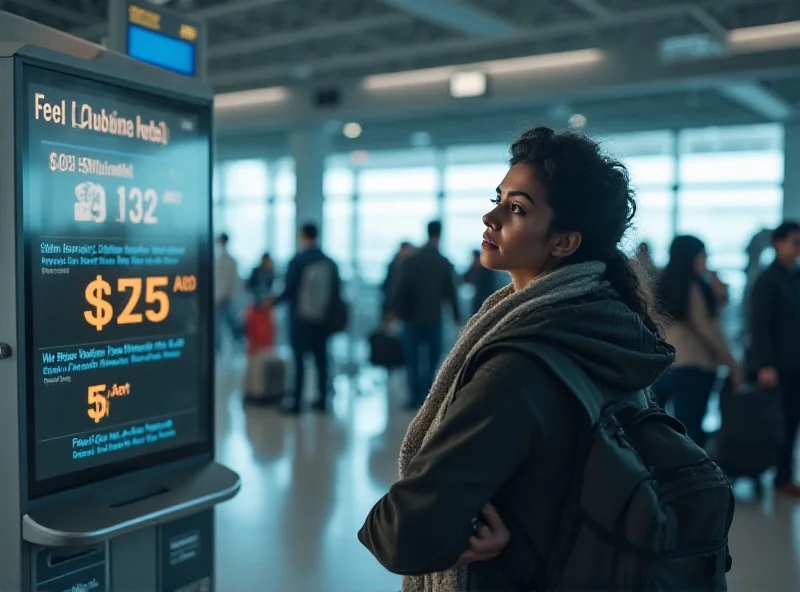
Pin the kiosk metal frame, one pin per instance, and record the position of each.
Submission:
(121, 535)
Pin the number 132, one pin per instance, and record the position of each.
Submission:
(137, 213)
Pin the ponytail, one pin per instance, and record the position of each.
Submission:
(634, 288)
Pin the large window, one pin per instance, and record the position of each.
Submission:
(729, 189)
(468, 191)
(338, 238)
(254, 205)
(721, 184)
(243, 209)
(395, 205)
(650, 160)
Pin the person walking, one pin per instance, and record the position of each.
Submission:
(226, 286)
(775, 331)
(313, 289)
(426, 282)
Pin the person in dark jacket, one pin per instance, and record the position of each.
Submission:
(426, 281)
(311, 297)
(497, 434)
(775, 334)
(485, 281)
(393, 273)
(262, 278)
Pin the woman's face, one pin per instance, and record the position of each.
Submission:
(700, 263)
(518, 237)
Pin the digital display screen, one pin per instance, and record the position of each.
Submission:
(116, 207)
(162, 38)
(162, 51)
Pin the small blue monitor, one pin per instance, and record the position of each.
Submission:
(160, 50)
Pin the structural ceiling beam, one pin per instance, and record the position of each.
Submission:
(457, 15)
(53, 8)
(326, 31)
(619, 73)
(232, 7)
(758, 99)
(593, 7)
(262, 74)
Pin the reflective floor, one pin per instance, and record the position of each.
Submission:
(309, 481)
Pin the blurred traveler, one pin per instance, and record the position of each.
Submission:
(694, 330)
(486, 281)
(393, 272)
(511, 415)
(644, 258)
(775, 331)
(313, 288)
(426, 281)
(761, 241)
(262, 278)
(226, 287)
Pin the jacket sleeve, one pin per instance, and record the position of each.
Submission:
(424, 523)
(708, 328)
(763, 308)
(292, 283)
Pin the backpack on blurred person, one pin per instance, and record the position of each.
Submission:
(319, 300)
(648, 509)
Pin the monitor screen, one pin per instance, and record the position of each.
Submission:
(115, 193)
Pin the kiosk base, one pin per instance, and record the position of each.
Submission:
(163, 542)
(174, 557)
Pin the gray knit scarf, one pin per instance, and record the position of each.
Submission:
(500, 311)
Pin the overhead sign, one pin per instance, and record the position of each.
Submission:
(157, 36)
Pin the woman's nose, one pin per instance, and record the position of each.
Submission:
(489, 220)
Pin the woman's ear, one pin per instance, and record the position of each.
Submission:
(565, 244)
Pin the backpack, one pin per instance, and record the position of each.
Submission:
(315, 292)
(647, 509)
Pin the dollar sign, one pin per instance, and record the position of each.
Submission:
(103, 312)
(53, 161)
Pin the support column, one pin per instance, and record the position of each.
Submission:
(791, 171)
(309, 146)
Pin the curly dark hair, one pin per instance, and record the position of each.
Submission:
(589, 193)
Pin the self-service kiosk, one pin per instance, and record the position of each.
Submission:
(107, 474)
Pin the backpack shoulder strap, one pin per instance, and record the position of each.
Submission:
(568, 372)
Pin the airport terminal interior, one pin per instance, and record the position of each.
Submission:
(347, 126)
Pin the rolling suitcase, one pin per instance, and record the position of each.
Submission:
(266, 378)
(749, 440)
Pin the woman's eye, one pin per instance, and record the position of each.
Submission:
(516, 209)
(495, 200)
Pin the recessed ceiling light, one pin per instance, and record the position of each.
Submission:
(352, 130)
(577, 120)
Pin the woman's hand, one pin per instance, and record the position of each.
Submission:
(492, 537)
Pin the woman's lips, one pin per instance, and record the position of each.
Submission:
(488, 244)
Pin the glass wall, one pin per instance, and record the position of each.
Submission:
(254, 205)
(730, 187)
(722, 184)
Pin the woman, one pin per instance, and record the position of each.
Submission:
(694, 330)
(497, 427)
